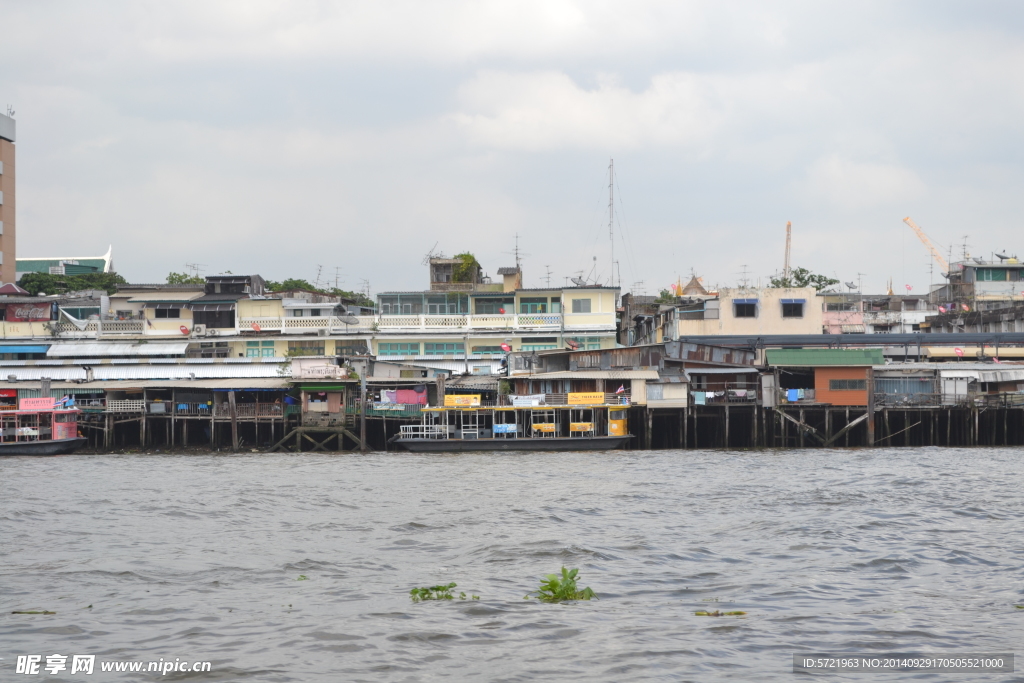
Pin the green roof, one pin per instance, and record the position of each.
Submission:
(817, 357)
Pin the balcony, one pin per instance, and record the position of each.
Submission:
(545, 322)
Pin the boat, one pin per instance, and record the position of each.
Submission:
(577, 426)
(40, 431)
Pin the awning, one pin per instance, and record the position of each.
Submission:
(852, 329)
(794, 301)
(722, 371)
(968, 374)
(595, 374)
(744, 301)
(212, 307)
(166, 306)
(101, 350)
(23, 349)
(973, 351)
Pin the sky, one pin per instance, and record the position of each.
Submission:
(351, 139)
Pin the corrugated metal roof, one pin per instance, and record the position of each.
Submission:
(595, 374)
(240, 383)
(973, 351)
(164, 296)
(818, 357)
(722, 371)
(144, 372)
(105, 350)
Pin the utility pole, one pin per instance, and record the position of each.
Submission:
(611, 213)
(362, 410)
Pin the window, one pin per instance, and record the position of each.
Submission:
(167, 313)
(538, 347)
(540, 340)
(297, 313)
(586, 343)
(494, 305)
(842, 306)
(440, 349)
(556, 304)
(314, 312)
(533, 305)
(306, 348)
(399, 349)
(358, 349)
(259, 349)
(992, 275)
(447, 304)
(487, 349)
(792, 310)
(847, 385)
(581, 305)
(124, 315)
(214, 318)
(746, 310)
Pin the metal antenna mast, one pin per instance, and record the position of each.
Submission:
(548, 276)
(611, 213)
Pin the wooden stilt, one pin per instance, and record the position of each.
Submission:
(800, 430)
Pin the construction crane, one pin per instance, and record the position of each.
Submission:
(928, 244)
(789, 240)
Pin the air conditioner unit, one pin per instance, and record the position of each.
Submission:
(323, 333)
(199, 330)
(211, 332)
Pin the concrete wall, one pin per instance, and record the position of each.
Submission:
(7, 209)
(768, 319)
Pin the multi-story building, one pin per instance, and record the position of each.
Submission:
(744, 311)
(854, 313)
(7, 200)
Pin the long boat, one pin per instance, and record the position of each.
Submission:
(43, 431)
(577, 427)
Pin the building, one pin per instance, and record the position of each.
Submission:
(855, 313)
(66, 265)
(744, 311)
(8, 233)
(837, 377)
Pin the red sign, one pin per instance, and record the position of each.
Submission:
(256, 327)
(505, 347)
(36, 403)
(959, 352)
(28, 313)
(8, 393)
(184, 330)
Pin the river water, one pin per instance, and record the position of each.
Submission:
(202, 557)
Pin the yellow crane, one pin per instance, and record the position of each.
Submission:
(789, 238)
(928, 244)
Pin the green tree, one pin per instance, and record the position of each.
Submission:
(291, 283)
(665, 297)
(184, 279)
(801, 277)
(465, 271)
(34, 283)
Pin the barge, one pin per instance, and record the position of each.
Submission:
(39, 431)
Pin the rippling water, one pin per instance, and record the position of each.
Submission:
(198, 557)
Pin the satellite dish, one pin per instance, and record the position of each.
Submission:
(349, 319)
(979, 260)
(572, 344)
(579, 282)
(851, 285)
(1002, 257)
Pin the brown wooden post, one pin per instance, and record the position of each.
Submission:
(362, 411)
(142, 422)
(753, 416)
(801, 429)
(871, 408)
(828, 423)
(726, 434)
(234, 420)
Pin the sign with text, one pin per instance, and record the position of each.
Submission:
(27, 313)
(586, 398)
(462, 399)
(581, 426)
(36, 403)
(544, 427)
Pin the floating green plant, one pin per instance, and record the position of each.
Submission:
(302, 577)
(716, 613)
(32, 612)
(555, 588)
(438, 593)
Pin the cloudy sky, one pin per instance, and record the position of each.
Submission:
(277, 137)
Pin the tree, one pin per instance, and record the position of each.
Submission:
(801, 277)
(34, 283)
(296, 283)
(184, 279)
(467, 270)
(665, 297)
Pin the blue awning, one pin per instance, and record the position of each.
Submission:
(24, 349)
(744, 301)
(794, 301)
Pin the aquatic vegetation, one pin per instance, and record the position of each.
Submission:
(33, 611)
(438, 593)
(302, 577)
(559, 588)
(716, 613)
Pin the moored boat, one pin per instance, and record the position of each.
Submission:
(585, 423)
(43, 430)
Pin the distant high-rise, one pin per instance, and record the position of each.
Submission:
(7, 209)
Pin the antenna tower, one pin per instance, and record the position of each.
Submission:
(547, 277)
(611, 213)
(316, 282)
(196, 268)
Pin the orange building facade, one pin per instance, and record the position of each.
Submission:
(841, 386)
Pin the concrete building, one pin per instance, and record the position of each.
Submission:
(745, 311)
(7, 200)
(66, 265)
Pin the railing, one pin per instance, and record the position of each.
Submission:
(424, 432)
(740, 392)
(917, 399)
(362, 324)
(125, 406)
(250, 410)
(394, 409)
(187, 409)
